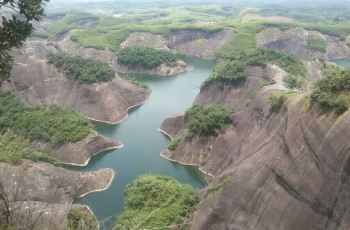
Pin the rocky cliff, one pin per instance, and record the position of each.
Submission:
(295, 41)
(273, 170)
(189, 41)
(79, 153)
(199, 43)
(40, 83)
(45, 191)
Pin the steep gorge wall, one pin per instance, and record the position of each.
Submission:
(290, 169)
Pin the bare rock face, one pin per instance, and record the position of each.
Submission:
(40, 83)
(289, 169)
(79, 153)
(199, 43)
(294, 42)
(145, 39)
(45, 192)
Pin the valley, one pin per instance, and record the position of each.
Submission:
(150, 115)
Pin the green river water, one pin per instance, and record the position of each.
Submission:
(143, 143)
(343, 62)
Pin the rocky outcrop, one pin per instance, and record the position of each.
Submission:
(40, 83)
(41, 189)
(289, 169)
(190, 41)
(79, 153)
(145, 39)
(199, 43)
(295, 41)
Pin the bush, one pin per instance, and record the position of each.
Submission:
(174, 143)
(277, 100)
(232, 72)
(169, 201)
(81, 219)
(295, 82)
(14, 148)
(317, 43)
(84, 70)
(287, 62)
(208, 121)
(224, 181)
(51, 124)
(146, 57)
(331, 91)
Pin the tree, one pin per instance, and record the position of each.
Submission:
(15, 28)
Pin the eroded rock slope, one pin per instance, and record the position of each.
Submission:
(283, 170)
(40, 83)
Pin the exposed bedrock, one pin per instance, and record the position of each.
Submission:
(40, 83)
(79, 153)
(35, 188)
(199, 43)
(295, 41)
(290, 169)
(189, 41)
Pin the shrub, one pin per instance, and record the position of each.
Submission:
(317, 43)
(84, 70)
(52, 124)
(81, 219)
(332, 90)
(14, 148)
(174, 143)
(168, 200)
(232, 72)
(277, 100)
(146, 57)
(224, 181)
(287, 62)
(208, 121)
(295, 82)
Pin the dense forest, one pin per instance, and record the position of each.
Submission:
(146, 57)
(84, 70)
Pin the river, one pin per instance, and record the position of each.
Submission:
(343, 62)
(143, 143)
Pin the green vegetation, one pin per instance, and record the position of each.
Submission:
(277, 99)
(156, 201)
(89, 39)
(175, 143)
(51, 124)
(317, 43)
(295, 82)
(81, 219)
(16, 26)
(114, 39)
(84, 70)
(242, 50)
(287, 62)
(207, 121)
(231, 72)
(224, 181)
(13, 149)
(146, 57)
(332, 90)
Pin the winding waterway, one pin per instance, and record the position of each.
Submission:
(143, 143)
